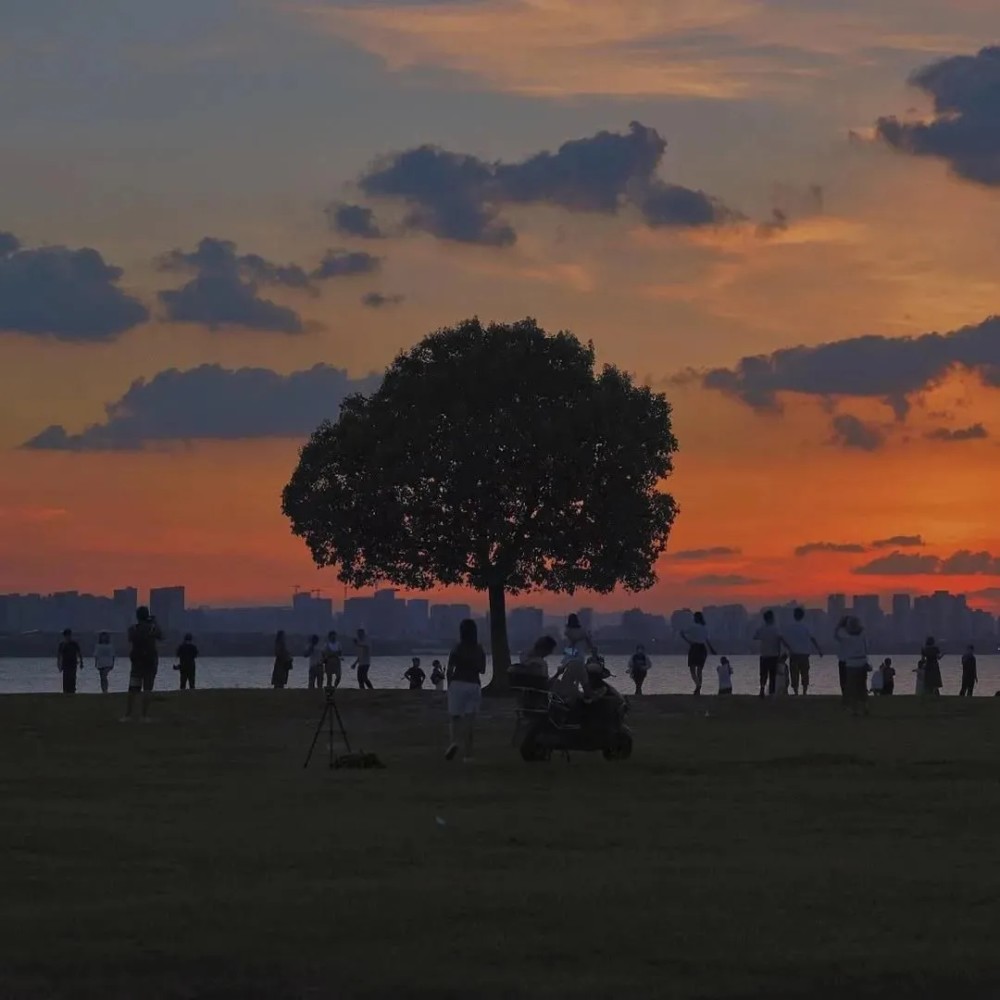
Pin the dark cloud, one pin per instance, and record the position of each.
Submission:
(212, 403)
(353, 220)
(694, 555)
(899, 542)
(723, 580)
(459, 197)
(850, 432)
(886, 368)
(961, 563)
(965, 129)
(346, 264)
(974, 433)
(71, 295)
(376, 300)
(810, 547)
(214, 256)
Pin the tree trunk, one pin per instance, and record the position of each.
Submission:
(500, 683)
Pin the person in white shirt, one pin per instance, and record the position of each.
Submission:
(853, 653)
(314, 655)
(781, 676)
(800, 642)
(771, 642)
(699, 646)
(725, 672)
(104, 659)
(332, 660)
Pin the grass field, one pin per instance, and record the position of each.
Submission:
(772, 850)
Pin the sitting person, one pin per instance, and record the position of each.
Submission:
(572, 682)
(578, 638)
(535, 661)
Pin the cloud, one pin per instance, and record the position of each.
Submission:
(961, 563)
(850, 432)
(211, 403)
(376, 300)
(71, 295)
(723, 580)
(346, 264)
(965, 128)
(899, 542)
(694, 555)
(886, 368)
(353, 220)
(455, 196)
(810, 547)
(976, 432)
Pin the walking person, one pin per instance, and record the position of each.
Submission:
(331, 660)
(144, 659)
(969, 672)
(187, 661)
(853, 650)
(638, 667)
(932, 667)
(282, 661)
(314, 657)
(415, 675)
(466, 666)
(104, 659)
(437, 675)
(725, 672)
(363, 663)
(699, 646)
(770, 649)
(69, 659)
(800, 643)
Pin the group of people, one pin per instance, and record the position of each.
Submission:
(324, 661)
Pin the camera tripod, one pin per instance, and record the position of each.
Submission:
(330, 712)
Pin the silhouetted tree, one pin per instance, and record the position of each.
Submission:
(494, 458)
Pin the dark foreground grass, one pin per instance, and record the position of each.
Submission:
(764, 850)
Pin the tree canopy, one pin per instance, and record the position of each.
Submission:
(494, 457)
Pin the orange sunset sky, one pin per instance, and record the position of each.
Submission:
(204, 199)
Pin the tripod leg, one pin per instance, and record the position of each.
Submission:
(330, 704)
(340, 722)
(319, 728)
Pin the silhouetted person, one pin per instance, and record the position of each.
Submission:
(888, 677)
(144, 658)
(770, 649)
(932, 667)
(969, 672)
(920, 674)
(800, 643)
(781, 676)
(363, 663)
(466, 666)
(187, 661)
(415, 675)
(699, 646)
(282, 661)
(535, 662)
(69, 659)
(314, 657)
(638, 667)
(578, 638)
(437, 675)
(725, 672)
(853, 650)
(331, 660)
(104, 659)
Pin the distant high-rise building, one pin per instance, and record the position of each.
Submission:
(166, 604)
(417, 617)
(126, 600)
(868, 608)
(836, 606)
(902, 613)
(525, 624)
(586, 616)
(446, 618)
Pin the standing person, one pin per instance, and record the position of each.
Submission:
(144, 658)
(363, 663)
(282, 661)
(969, 672)
(187, 661)
(725, 672)
(104, 659)
(331, 660)
(800, 642)
(853, 650)
(314, 657)
(932, 667)
(878, 680)
(415, 675)
(921, 675)
(579, 639)
(638, 667)
(888, 677)
(699, 646)
(466, 666)
(69, 659)
(437, 675)
(770, 649)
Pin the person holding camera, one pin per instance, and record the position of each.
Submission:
(144, 658)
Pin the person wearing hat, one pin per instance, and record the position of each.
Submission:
(144, 658)
(853, 652)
